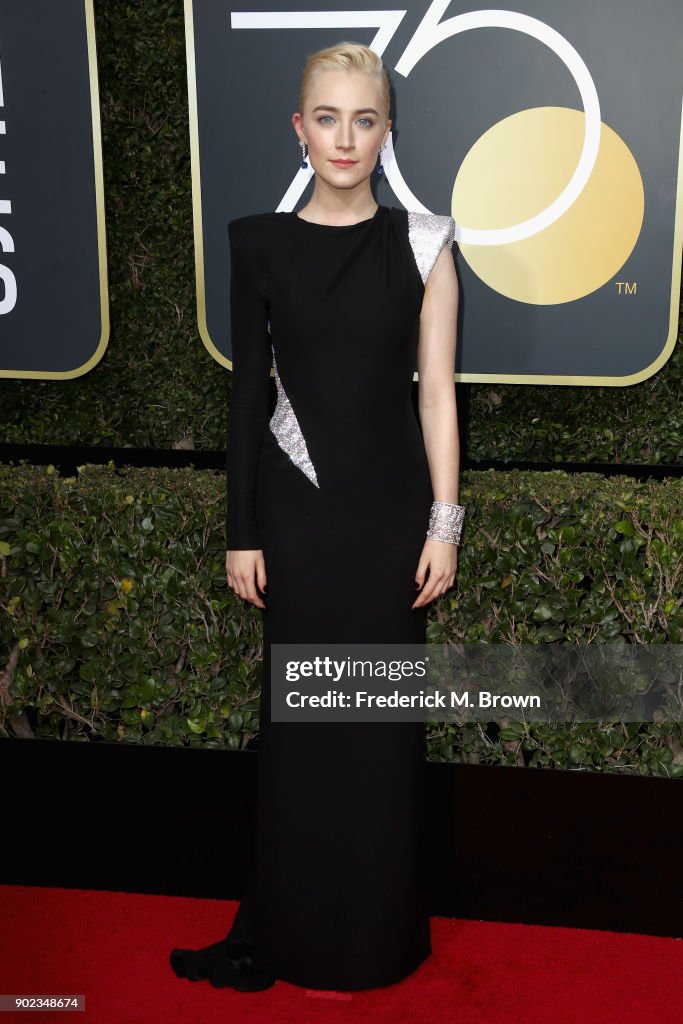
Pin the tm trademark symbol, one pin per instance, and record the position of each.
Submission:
(627, 287)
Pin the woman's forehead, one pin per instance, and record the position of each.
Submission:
(344, 88)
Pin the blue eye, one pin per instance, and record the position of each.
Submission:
(328, 117)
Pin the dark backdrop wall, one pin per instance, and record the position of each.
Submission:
(158, 387)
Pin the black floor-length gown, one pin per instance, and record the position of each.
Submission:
(334, 486)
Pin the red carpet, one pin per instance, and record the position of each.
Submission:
(113, 948)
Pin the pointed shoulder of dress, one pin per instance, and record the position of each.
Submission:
(256, 234)
(254, 226)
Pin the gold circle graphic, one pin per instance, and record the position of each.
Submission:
(514, 171)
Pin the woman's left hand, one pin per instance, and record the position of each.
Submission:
(441, 559)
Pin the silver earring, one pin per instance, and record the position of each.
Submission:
(304, 154)
(380, 169)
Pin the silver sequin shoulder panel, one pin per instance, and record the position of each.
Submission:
(285, 426)
(428, 233)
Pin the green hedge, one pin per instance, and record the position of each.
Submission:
(158, 387)
(118, 623)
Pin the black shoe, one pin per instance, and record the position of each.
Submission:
(242, 972)
(196, 964)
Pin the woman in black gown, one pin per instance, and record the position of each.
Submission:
(341, 506)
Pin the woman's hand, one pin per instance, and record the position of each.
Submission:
(441, 559)
(246, 569)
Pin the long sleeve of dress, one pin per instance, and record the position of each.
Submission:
(249, 406)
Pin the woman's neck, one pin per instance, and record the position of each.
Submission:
(327, 207)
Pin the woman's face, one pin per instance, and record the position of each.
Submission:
(343, 120)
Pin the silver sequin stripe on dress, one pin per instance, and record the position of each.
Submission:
(428, 233)
(285, 427)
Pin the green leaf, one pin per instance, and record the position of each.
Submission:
(542, 612)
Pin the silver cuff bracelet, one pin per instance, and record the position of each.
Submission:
(445, 522)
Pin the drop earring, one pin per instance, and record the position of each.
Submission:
(380, 169)
(304, 154)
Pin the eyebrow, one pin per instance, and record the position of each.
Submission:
(362, 110)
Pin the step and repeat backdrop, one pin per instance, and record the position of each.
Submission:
(551, 132)
(54, 311)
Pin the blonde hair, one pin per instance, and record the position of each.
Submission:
(345, 56)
